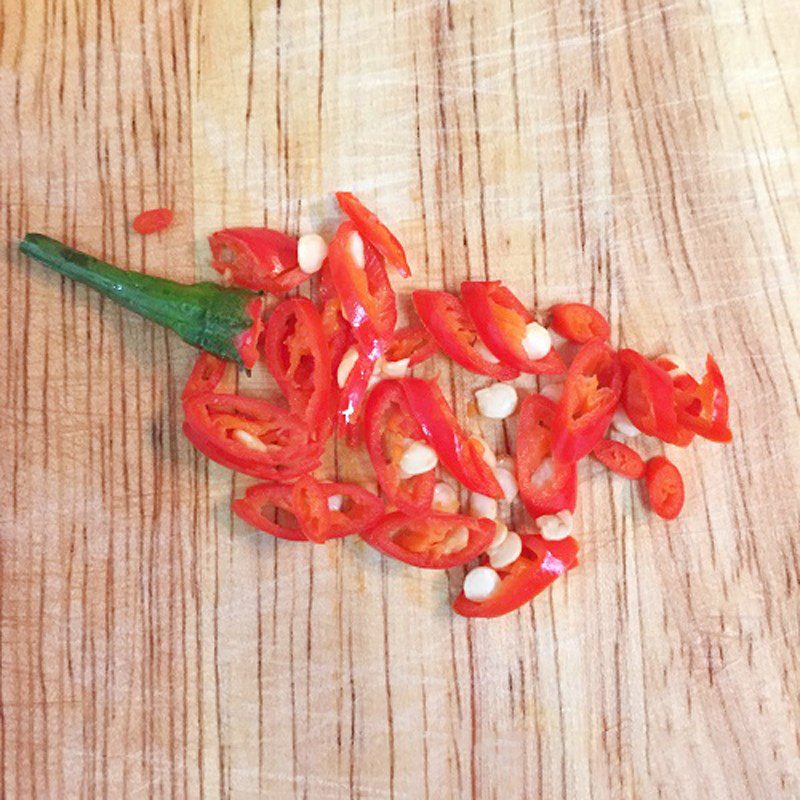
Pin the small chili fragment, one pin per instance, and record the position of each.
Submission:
(664, 487)
(153, 220)
(619, 458)
(648, 396)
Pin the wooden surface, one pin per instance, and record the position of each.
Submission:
(638, 154)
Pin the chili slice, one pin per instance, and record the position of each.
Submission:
(252, 508)
(351, 400)
(648, 396)
(435, 541)
(664, 487)
(540, 564)
(297, 354)
(619, 458)
(703, 407)
(412, 342)
(251, 435)
(592, 390)
(257, 258)
(501, 321)
(389, 427)
(367, 298)
(460, 454)
(546, 486)
(446, 320)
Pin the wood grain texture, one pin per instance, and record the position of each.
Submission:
(639, 154)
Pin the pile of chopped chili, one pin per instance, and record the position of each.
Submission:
(343, 368)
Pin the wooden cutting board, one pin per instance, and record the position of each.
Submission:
(636, 154)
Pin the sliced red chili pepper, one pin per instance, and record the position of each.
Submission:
(375, 232)
(703, 408)
(310, 506)
(297, 354)
(251, 435)
(209, 374)
(540, 564)
(501, 320)
(257, 258)
(351, 400)
(664, 487)
(592, 390)
(264, 501)
(579, 322)
(412, 342)
(546, 486)
(389, 426)
(153, 220)
(435, 541)
(647, 396)
(460, 454)
(619, 458)
(446, 319)
(367, 297)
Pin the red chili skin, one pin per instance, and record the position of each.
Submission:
(153, 220)
(703, 408)
(258, 258)
(592, 391)
(579, 322)
(251, 508)
(297, 354)
(375, 232)
(388, 422)
(247, 341)
(418, 540)
(367, 298)
(648, 396)
(455, 449)
(540, 564)
(412, 342)
(446, 320)
(534, 445)
(619, 458)
(351, 401)
(664, 487)
(500, 319)
(211, 420)
(209, 374)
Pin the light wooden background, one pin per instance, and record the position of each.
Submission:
(640, 154)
